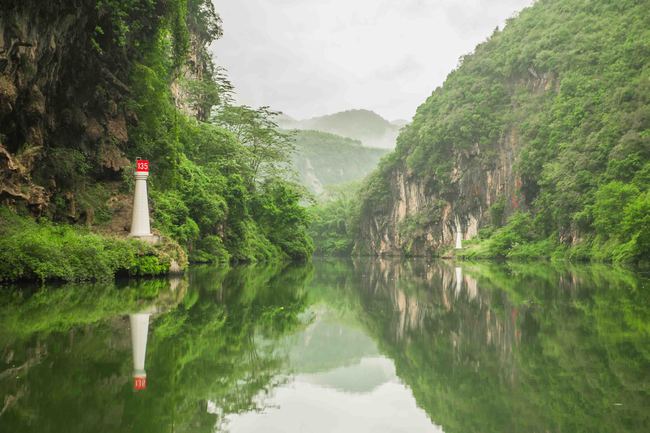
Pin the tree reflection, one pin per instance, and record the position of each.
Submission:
(205, 356)
(484, 348)
(515, 347)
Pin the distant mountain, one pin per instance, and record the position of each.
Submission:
(324, 159)
(363, 125)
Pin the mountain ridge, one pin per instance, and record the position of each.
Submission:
(360, 124)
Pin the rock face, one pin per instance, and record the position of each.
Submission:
(59, 99)
(66, 76)
(525, 122)
(419, 219)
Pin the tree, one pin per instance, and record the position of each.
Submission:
(270, 149)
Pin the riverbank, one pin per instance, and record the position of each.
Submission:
(42, 250)
(517, 241)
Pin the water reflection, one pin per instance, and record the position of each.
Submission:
(369, 345)
(139, 330)
(515, 348)
(338, 381)
(139, 325)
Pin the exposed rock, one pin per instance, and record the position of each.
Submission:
(112, 157)
(475, 187)
(16, 183)
(57, 94)
(8, 95)
(35, 105)
(116, 128)
(121, 207)
(93, 129)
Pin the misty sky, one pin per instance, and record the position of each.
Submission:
(314, 57)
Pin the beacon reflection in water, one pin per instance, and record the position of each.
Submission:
(140, 327)
(139, 331)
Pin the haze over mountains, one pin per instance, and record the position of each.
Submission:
(323, 159)
(339, 148)
(368, 127)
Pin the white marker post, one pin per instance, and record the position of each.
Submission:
(139, 331)
(140, 226)
(459, 235)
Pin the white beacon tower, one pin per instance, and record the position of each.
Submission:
(140, 226)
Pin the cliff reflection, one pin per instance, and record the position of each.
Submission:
(514, 348)
(479, 348)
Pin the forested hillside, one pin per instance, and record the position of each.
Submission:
(324, 159)
(85, 87)
(363, 125)
(538, 144)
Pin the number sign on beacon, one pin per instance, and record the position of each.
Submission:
(142, 165)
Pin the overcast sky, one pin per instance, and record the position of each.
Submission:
(314, 57)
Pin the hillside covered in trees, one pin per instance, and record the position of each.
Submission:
(537, 145)
(323, 159)
(85, 87)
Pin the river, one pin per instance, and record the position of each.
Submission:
(332, 346)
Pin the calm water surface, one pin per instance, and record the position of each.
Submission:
(334, 346)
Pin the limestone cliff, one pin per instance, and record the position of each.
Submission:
(66, 99)
(548, 117)
(419, 219)
(61, 99)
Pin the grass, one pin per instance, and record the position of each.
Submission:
(42, 250)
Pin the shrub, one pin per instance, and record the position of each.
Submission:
(47, 251)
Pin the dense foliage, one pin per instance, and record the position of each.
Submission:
(569, 84)
(31, 250)
(217, 184)
(335, 221)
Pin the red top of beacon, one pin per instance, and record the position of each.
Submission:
(142, 165)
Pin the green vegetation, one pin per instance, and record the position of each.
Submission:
(206, 345)
(568, 85)
(31, 250)
(335, 221)
(61, 308)
(521, 347)
(515, 347)
(216, 185)
(323, 159)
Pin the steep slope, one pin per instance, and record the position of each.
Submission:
(544, 128)
(85, 87)
(363, 125)
(324, 159)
